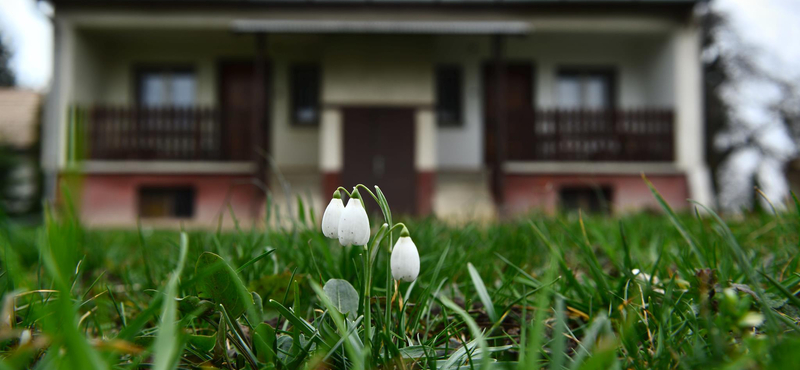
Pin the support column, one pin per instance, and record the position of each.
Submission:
(54, 130)
(331, 150)
(500, 118)
(258, 122)
(425, 158)
(689, 123)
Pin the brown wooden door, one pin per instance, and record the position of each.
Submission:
(379, 150)
(518, 100)
(237, 85)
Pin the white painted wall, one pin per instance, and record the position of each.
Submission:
(331, 150)
(425, 140)
(377, 70)
(461, 148)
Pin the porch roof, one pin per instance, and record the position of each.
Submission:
(438, 2)
(382, 27)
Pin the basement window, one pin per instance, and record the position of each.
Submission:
(588, 199)
(166, 202)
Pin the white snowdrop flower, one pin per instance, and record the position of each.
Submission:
(330, 219)
(405, 258)
(354, 223)
(640, 275)
(25, 337)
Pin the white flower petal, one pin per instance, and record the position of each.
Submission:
(405, 260)
(330, 219)
(354, 224)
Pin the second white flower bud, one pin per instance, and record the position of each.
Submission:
(405, 258)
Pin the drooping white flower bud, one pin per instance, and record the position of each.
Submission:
(405, 258)
(330, 219)
(25, 337)
(354, 223)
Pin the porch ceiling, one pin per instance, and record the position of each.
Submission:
(383, 27)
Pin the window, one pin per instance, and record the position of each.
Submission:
(448, 95)
(166, 87)
(305, 81)
(585, 198)
(177, 202)
(588, 89)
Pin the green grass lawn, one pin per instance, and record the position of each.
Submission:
(646, 291)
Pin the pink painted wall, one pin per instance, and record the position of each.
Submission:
(112, 200)
(628, 192)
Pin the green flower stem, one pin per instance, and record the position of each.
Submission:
(344, 190)
(368, 280)
(370, 193)
(389, 285)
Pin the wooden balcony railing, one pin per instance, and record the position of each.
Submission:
(143, 133)
(644, 135)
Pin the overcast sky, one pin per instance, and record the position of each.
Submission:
(770, 25)
(27, 31)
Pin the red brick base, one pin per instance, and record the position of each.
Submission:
(112, 200)
(426, 182)
(628, 192)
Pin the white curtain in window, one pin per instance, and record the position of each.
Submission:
(595, 92)
(160, 89)
(154, 89)
(182, 92)
(569, 92)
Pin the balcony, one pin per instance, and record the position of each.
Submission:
(166, 134)
(636, 135)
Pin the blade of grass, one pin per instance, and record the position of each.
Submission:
(483, 294)
(166, 347)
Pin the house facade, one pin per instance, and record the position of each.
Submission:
(177, 110)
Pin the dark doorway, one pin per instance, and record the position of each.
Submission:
(518, 103)
(236, 91)
(379, 150)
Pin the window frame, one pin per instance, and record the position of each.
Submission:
(582, 72)
(168, 191)
(294, 71)
(459, 71)
(142, 70)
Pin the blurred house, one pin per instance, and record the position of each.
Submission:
(171, 109)
(20, 112)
